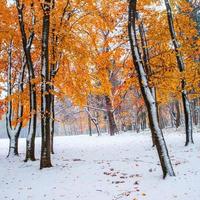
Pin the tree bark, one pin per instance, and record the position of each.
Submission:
(30, 139)
(147, 66)
(89, 123)
(27, 44)
(14, 131)
(178, 114)
(112, 127)
(46, 98)
(195, 111)
(181, 66)
(94, 120)
(52, 120)
(147, 94)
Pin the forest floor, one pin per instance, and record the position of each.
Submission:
(123, 167)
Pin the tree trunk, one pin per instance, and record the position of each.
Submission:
(172, 114)
(188, 118)
(45, 160)
(27, 44)
(143, 121)
(52, 121)
(178, 114)
(13, 145)
(112, 127)
(198, 110)
(30, 148)
(147, 67)
(89, 123)
(160, 118)
(147, 94)
(137, 127)
(14, 132)
(94, 120)
(181, 66)
(195, 111)
(54, 43)
(30, 139)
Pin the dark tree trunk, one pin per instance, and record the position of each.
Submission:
(52, 121)
(198, 111)
(143, 120)
(112, 127)
(175, 114)
(46, 98)
(195, 111)
(89, 123)
(162, 123)
(30, 149)
(137, 123)
(178, 114)
(30, 140)
(54, 42)
(181, 66)
(147, 94)
(172, 113)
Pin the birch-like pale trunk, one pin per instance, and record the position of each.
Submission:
(46, 98)
(147, 66)
(147, 94)
(14, 131)
(181, 66)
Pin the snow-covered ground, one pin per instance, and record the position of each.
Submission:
(123, 167)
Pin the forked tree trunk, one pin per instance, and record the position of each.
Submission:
(27, 44)
(147, 94)
(181, 66)
(94, 120)
(45, 160)
(112, 127)
(14, 131)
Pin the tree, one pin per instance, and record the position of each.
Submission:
(27, 45)
(147, 93)
(45, 160)
(94, 120)
(181, 66)
(13, 130)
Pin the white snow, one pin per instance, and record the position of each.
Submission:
(122, 167)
